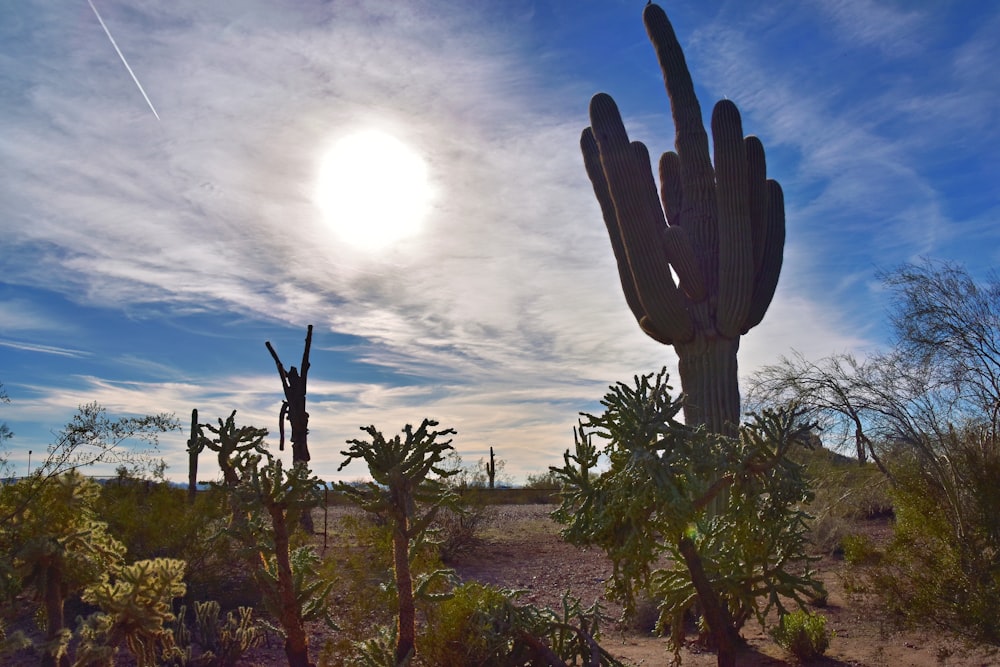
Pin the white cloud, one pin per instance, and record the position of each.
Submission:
(895, 32)
(507, 313)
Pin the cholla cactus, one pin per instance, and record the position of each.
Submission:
(273, 497)
(135, 609)
(407, 494)
(231, 443)
(720, 230)
(226, 641)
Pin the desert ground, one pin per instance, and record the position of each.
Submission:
(522, 550)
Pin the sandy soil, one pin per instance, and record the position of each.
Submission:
(522, 550)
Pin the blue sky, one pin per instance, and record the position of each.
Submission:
(145, 261)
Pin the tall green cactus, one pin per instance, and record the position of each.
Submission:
(491, 470)
(195, 445)
(722, 236)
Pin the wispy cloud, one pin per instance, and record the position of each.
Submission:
(43, 349)
(892, 30)
(505, 316)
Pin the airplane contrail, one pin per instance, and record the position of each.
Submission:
(124, 62)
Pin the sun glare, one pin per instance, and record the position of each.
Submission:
(372, 189)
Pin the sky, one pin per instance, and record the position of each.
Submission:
(160, 216)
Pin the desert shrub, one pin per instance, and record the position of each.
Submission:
(943, 567)
(466, 629)
(843, 487)
(363, 596)
(486, 626)
(54, 547)
(844, 492)
(547, 480)
(827, 533)
(154, 520)
(458, 532)
(802, 634)
(860, 550)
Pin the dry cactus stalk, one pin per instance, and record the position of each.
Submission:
(722, 235)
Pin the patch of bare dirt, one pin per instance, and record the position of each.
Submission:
(522, 550)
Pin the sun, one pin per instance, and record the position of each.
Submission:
(373, 189)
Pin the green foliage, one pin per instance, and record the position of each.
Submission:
(457, 528)
(360, 570)
(408, 490)
(135, 609)
(60, 529)
(90, 438)
(802, 634)
(543, 480)
(267, 502)
(137, 510)
(941, 567)
(224, 643)
(860, 550)
(54, 545)
(378, 650)
(844, 493)
(13, 643)
(483, 625)
(746, 556)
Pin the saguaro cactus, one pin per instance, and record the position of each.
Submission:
(491, 470)
(195, 445)
(720, 231)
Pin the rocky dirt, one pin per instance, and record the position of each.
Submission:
(521, 549)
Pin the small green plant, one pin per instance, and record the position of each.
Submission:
(860, 550)
(802, 634)
(487, 626)
(224, 642)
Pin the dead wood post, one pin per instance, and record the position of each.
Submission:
(293, 408)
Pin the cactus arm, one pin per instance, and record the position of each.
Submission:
(757, 180)
(640, 221)
(736, 270)
(671, 190)
(592, 163)
(774, 244)
(691, 141)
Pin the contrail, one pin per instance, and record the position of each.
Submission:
(124, 62)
